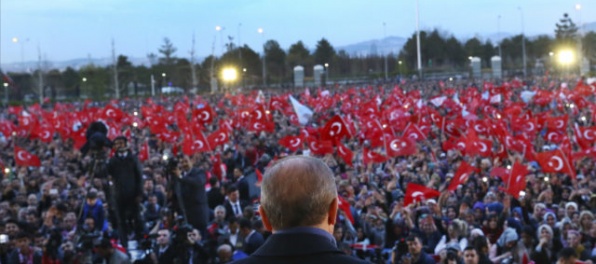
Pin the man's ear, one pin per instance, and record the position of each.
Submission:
(265, 219)
(332, 216)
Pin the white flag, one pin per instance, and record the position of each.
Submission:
(303, 112)
(438, 101)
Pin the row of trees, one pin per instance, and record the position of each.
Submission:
(440, 52)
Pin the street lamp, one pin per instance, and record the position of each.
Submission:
(84, 79)
(578, 7)
(5, 93)
(523, 40)
(326, 72)
(16, 40)
(163, 75)
(385, 52)
(260, 30)
(220, 30)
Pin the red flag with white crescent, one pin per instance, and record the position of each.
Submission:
(24, 158)
(417, 193)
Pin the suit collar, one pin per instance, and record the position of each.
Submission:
(296, 244)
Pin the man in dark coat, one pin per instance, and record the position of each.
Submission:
(299, 205)
(127, 192)
(192, 188)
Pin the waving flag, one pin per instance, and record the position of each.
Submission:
(304, 113)
(461, 175)
(417, 193)
(517, 180)
(24, 158)
(555, 162)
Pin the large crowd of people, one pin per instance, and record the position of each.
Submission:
(177, 179)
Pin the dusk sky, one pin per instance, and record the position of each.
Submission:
(69, 29)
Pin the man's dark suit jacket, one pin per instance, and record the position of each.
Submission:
(255, 241)
(195, 199)
(298, 248)
(230, 211)
(243, 189)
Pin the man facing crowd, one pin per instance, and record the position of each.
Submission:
(299, 205)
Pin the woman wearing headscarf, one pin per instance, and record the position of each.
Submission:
(547, 248)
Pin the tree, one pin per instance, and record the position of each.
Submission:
(275, 58)
(589, 46)
(167, 50)
(473, 47)
(488, 51)
(456, 54)
(566, 30)
(324, 52)
(298, 54)
(125, 72)
(72, 82)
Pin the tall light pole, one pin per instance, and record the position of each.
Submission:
(385, 52)
(578, 7)
(326, 72)
(499, 35)
(16, 40)
(418, 39)
(523, 40)
(5, 94)
(163, 75)
(220, 30)
(260, 30)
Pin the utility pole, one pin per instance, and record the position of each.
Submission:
(193, 74)
(39, 74)
(418, 39)
(523, 41)
(115, 69)
(212, 71)
(385, 52)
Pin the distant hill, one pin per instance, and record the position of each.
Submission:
(590, 27)
(387, 45)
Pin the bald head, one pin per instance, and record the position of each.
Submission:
(297, 191)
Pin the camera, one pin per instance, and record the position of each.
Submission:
(97, 138)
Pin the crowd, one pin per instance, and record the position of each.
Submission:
(176, 179)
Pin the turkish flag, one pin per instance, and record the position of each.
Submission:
(345, 153)
(553, 136)
(335, 129)
(557, 122)
(219, 137)
(461, 175)
(259, 114)
(262, 125)
(403, 146)
(369, 156)
(43, 133)
(414, 133)
(278, 103)
(585, 136)
(417, 192)
(343, 205)
(517, 180)
(320, 147)
(111, 112)
(555, 161)
(24, 158)
(203, 113)
(144, 152)
(477, 146)
(293, 143)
